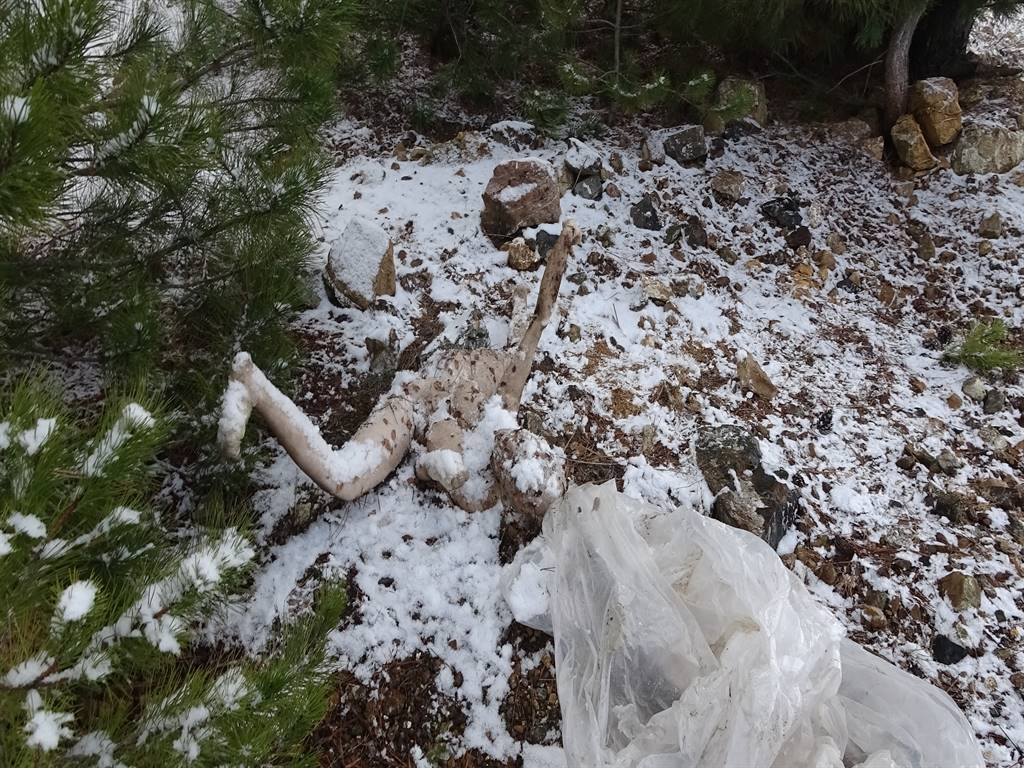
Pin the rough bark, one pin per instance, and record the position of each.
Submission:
(897, 64)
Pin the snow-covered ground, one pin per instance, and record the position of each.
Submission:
(851, 330)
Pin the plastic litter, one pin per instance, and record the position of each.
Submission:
(680, 642)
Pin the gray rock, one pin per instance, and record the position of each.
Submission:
(947, 462)
(589, 188)
(987, 149)
(644, 214)
(725, 452)
(687, 145)
(975, 389)
(994, 402)
(737, 98)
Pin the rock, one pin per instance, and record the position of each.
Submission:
(991, 226)
(987, 149)
(945, 651)
(545, 242)
(783, 212)
(955, 507)
(590, 188)
(853, 130)
(613, 191)
(917, 385)
(728, 452)
(736, 98)
(911, 145)
(521, 193)
(644, 215)
(799, 238)
(873, 618)
(947, 462)
(994, 402)
(616, 162)
(582, 161)
(962, 590)
(836, 243)
(724, 451)
(975, 389)
(994, 439)
(693, 230)
(935, 105)
(954, 401)
(520, 255)
(361, 265)
(687, 145)
(728, 185)
(873, 147)
(753, 378)
(515, 134)
(529, 474)
(652, 150)
(728, 255)
(656, 291)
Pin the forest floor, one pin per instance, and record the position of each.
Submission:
(432, 669)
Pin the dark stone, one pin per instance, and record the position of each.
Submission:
(720, 450)
(848, 285)
(674, 234)
(799, 236)
(738, 129)
(995, 401)
(589, 188)
(824, 421)
(545, 242)
(783, 212)
(644, 214)
(762, 503)
(687, 146)
(945, 651)
(696, 235)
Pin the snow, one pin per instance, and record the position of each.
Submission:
(29, 525)
(33, 439)
(133, 418)
(28, 671)
(235, 409)
(75, 601)
(515, 192)
(98, 745)
(5, 435)
(46, 728)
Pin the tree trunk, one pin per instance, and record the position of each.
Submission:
(897, 64)
(940, 45)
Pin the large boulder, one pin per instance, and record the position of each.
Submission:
(987, 149)
(935, 104)
(911, 145)
(748, 497)
(737, 98)
(521, 193)
(360, 265)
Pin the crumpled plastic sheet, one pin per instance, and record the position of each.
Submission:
(680, 641)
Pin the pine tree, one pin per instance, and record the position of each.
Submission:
(99, 603)
(159, 165)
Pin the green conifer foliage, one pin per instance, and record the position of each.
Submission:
(158, 167)
(99, 604)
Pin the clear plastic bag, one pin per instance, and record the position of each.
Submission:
(680, 641)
